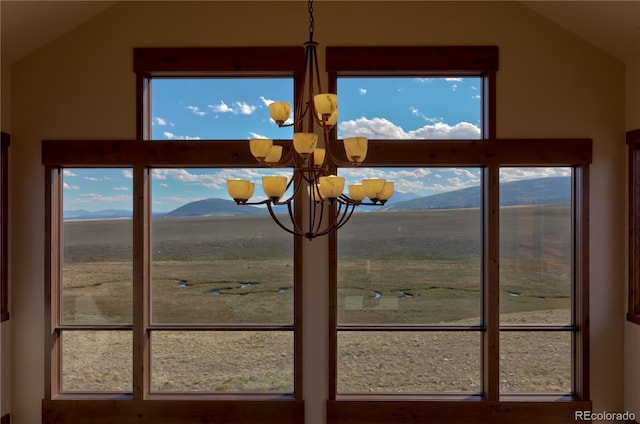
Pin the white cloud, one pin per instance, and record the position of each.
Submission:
(362, 91)
(216, 179)
(221, 107)
(244, 108)
(171, 136)
(68, 173)
(453, 79)
(91, 178)
(256, 135)
(266, 101)
(70, 187)
(127, 173)
(416, 112)
(381, 128)
(121, 188)
(515, 174)
(159, 121)
(372, 128)
(95, 197)
(196, 110)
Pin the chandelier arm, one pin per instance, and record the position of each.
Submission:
(297, 229)
(318, 222)
(346, 215)
(280, 224)
(296, 189)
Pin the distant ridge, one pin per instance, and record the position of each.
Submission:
(537, 191)
(102, 214)
(213, 207)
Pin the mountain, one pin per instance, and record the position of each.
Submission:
(537, 191)
(103, 214)
(396, 198)
(213, 207)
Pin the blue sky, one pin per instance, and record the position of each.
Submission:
(193, 109)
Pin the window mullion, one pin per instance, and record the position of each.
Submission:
(141, 282)
(491, 284)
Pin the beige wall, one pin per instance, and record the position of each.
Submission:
(632, 331)
(550, 84)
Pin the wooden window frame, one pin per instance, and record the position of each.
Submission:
(141, 155)
(5, 142)
(633, 309)
(490, 153)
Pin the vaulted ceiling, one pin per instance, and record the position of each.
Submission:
(613, 26)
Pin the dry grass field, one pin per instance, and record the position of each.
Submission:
(394, 268)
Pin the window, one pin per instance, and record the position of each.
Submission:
(157, 282)
(4, 225)
(536, 280)
(425, 296)
(478, 258)
(633, 140)
(95, 331)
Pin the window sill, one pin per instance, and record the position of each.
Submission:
(375, 410)
(187, 411)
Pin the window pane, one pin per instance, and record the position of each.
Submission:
(535, 362)
(97, 238)
(222, 361)
(423, 108)
(418, 259)
(212, 260)
(535, 245)
(217, 108)
(418, 362)
(97, 361)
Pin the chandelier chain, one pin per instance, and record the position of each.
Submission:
(311, 20)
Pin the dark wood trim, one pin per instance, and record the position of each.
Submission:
(236, 61)
(478, 412)
(491, 283)
(141, 277)
(633, 298)
(53, 279)
(423, 60)
(6, 419)
(5, 142)
(633, 136)
(171, 411)
(298, 312)
(581, 239)
(503, 152)
(387, 153)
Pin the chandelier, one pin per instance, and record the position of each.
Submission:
(311, 179)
